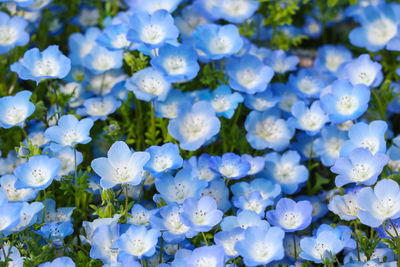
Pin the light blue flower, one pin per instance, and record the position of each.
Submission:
(243, 220)
(13, 255)
(345, 102)
(266, 188)
(330, 57)
(59, 262)
(235, 11)
(90, 227)
(361, 70)
(201, 166)
(39, 65)
(137, 241)
(229, 166)
(307, 83)
(207, 256)
(69, 132)
(7, 183)
(168, 221)
(291, 216)
(286, 170)
(201, 215)
(14, 110)
(190, 17)
(345, 206)
(218, 190)
(261, 245)
(185, 184)
(80, 45)
(9, 214)
(217, 41)
(254, 201)
(178, 63)
(56, 230)
(195, 125)
(153, 30)
(100, 59)
(378, 27)
(170, 106)
(268, 130)
(153, 5)
(98, 108)
(329, 144)
(280, 62)
(371, 136)
(141, 215)
(256, 163)
(262, 101)
(248, 74)
(225, 102)
(342, 232)
(37, 173)
(312, 27)
(380, 203)
(29, 215)
(360, 167)
(149, 84)
(163, 158)
(102, 242)
(228, 240)
(12, 32)
(311, 120)
(122, 166)
(113, 37)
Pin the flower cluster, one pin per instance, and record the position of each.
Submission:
(199, 133)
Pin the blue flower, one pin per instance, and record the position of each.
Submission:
(168, 221)
(37, 173)
(9, 214)
(342, 232)
(29, 214)
(37, 66)
(80, 45)
(330, 57)
(266, 188)
(141, 215)
(262, 101)
(235, 11)
(310, 120)
(69, 132)
(99, 107)
(320, 247)
(254, 201)
(312, 27)
(7, 183)
(229, 166)
(14, 110)
(149, 84)
(12, 32)
(361, 167)
(137, 241)
(220, 192)
(178, 63)
(248, 74)
(90, 227)
(163, 158)
(345, 206)
(122, 166)
(380, 203)
(13, 255)
(59, 262)
(100, 59)
(280, 62)
(307, 83)
(243, 220)
(286, 170)
(201, 215)
(170, 106)
(361, 70)
(378, 27)
(195, 125)
(185, 184)
(153, 30)
(256, 163)
(261, 245)
(290, 215)
(102, 243)
(228, 240)
(206, 256)
(217, 41)
(371, 136)
(225, 102)
(329, 144)
(113, 37)
(153, 5)
(56, 230)
(345, 102)
(201, 166)
(268, 130)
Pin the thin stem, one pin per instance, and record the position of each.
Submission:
(45, 203)
(161, 248)
(4, 252)
(398, 242)
(126, 203)
(381, 109)
(294, 247)
(140, 191)
(356, 236)
(144, 263)
(57, 104)
(205, 238)
(77, 197)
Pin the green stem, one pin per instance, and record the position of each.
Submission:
(294, 247)
(205, 238)
(140, 190)
(126, 203)
(77, 197)
(381, 108)
(45, 203)
(161, 248)
(356, 236)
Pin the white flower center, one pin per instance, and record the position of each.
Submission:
(40, 176)
(361, 172)
(220, 45)
(100, 108)
(120, 41)
(200, 217)
(220, 103)
(262, 251)
(228, 170)
(161, 163)
(174, 225)
(307, 86)
(86, 48)
(103, 62)
(152, 34)
(347, 104)
(311, 121)
(248, 77)
(254, 205)
(371, 143)
(71, 136)
(8, 35)
(333, 146)
(175, 65)
(205, 262)
(269, 130)
(140, 218)
(46, 67)
(381, 31)
(333, 61)
(15, 115)
(151, 85)
(194, 127)
(291, 220)
(285, 173)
